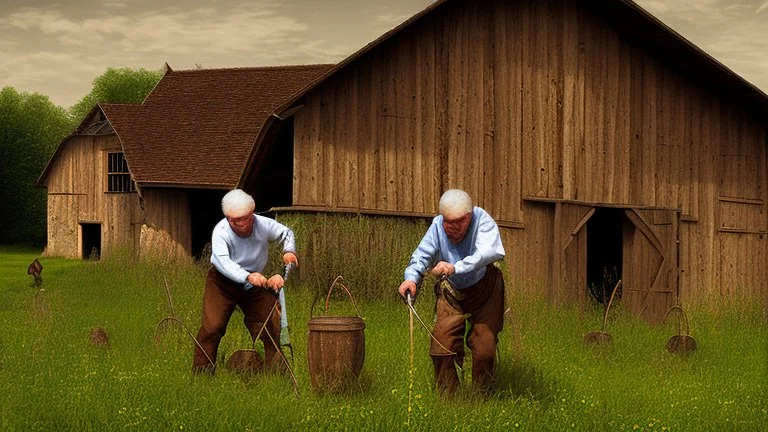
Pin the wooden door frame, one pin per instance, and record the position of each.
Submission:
(559, 245)
(646, 229)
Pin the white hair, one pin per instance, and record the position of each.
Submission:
(237, 203)
(455, 203)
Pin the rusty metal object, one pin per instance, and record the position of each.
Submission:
(35, 269)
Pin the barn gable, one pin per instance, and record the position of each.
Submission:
(553, 116)
(92, 203)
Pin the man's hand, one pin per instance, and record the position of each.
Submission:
(290, 257)
(257, 279)
(443, 268)
(409, 286)
(275, 282)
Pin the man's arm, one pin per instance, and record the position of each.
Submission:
(221, 260)
(277, 232)
(424, 255)
(488, 247)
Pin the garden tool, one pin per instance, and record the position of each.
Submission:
(409, 302)
(285, 335)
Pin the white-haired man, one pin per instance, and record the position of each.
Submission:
(239, 252)
(462, 244)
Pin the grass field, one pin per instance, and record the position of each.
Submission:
(52, 378)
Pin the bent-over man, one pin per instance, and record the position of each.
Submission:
(239, 252)
(462, 244)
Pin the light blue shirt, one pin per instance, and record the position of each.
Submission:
(480, 246)
(236, 257)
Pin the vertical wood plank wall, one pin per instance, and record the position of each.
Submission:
(509, 100)
(168, 222)
(76, 185)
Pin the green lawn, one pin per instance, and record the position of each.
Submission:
(52, 378)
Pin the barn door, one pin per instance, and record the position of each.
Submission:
(650, 263)
(570, 254)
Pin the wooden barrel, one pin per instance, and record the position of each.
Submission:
(335, 351)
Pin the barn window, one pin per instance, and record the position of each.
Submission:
(118, 177)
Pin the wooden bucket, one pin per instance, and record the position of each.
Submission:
(336, 349)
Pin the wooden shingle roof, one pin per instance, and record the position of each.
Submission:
(197, 127)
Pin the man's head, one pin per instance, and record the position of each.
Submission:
(238, 208)
(456, 208)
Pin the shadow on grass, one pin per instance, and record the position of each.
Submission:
(516, 378)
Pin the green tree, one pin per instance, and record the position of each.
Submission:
(31, 127)
(117, 85)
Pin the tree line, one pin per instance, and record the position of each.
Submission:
(31, 127)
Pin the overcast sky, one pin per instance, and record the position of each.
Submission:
(58, 47)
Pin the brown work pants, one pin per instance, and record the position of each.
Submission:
(219, 301)
(483, 307)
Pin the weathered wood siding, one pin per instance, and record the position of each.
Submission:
(510, 100)
(167, 227)
(76, 185)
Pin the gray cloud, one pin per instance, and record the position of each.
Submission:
(735, 33)
(59, 48)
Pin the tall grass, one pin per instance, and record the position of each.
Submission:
(370, 252)
(54, 379)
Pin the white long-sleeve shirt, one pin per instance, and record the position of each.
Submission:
(480, 246)
(236, 257)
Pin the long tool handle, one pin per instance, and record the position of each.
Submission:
(283, 310)
(409, 300)
(281, 295)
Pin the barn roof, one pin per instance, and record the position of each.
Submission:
(196, 127)
(630, 21)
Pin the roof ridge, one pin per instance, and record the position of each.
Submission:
(253, 68)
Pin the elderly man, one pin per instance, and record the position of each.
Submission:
(239, 251)
(462, 244)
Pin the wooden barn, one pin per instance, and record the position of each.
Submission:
(151, 176)
(605, 145)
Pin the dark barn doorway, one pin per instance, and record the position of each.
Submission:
(271, 180)
(205, 213)
(91, 241)
(604, 253)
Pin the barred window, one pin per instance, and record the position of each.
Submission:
(118, 177)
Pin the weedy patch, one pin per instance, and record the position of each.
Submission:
(41, 309)
(545, 379)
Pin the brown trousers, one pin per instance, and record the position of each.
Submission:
(219, 301)
(483, 307)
